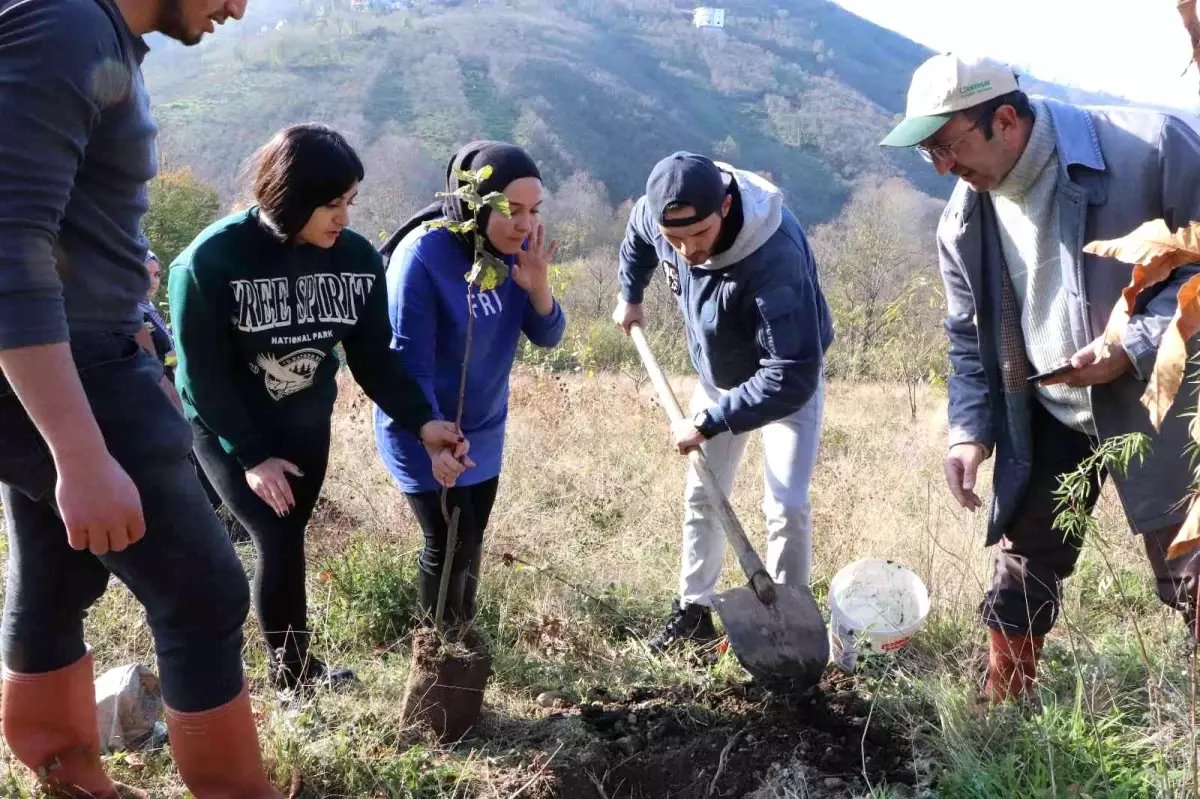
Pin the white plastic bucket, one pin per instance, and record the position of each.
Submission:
(876, 606)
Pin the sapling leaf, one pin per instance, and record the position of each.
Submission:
(499, 202)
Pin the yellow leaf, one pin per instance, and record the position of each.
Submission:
(1154, 251)
(1188, 537)
(1172, 358)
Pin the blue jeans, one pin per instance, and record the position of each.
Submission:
(184, 572)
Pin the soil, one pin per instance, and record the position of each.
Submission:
(446, 683)
(661, 744)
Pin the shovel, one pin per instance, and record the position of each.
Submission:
(776, 631)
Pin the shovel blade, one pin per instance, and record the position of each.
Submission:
(785, 643)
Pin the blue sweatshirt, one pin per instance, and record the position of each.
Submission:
(76, 152)
(427, 301)
(757, 323)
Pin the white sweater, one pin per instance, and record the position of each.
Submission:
(1029, 237)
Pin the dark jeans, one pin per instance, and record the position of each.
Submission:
(184, 571)
(279, 589)
(476, 503)
(1034, 558)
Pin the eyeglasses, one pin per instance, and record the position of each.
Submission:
(945, 150)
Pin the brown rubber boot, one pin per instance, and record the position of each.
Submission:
(1012, 665)
(49, 722)
(217, 752)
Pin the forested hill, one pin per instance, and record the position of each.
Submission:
(801, 89)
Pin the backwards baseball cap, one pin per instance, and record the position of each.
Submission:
(941, 87)
(685, 179)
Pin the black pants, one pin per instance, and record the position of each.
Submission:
(1034, 558)
(184, 572)
(476, 507)
(279, 577)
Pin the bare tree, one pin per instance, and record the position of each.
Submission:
(876, 261)
(401, 179)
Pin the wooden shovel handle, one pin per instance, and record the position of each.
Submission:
(749, 560)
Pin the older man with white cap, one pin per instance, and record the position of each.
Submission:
(1032, 379)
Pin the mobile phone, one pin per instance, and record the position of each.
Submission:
(1055, 372)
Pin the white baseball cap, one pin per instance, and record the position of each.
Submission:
(944, 85)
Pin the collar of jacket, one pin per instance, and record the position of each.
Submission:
(1079, 157)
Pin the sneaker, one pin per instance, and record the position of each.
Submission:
(315, 675)
(687, 623)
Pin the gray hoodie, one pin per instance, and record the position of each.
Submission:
(757, 323)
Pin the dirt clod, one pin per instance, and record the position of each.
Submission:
(446, 683)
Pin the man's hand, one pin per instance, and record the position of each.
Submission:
(269, 480)
(687, 436)
(99, 504)
(627, 314)
(1096, 364)
(962, 466)
(447, 450)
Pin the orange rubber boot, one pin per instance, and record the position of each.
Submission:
(49, 722)
(1012, 665)
(217, 752)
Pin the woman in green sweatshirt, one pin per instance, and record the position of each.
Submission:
(259, 301)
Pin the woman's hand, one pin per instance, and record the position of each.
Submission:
(532, 271)
(447, 450)
(269, 480)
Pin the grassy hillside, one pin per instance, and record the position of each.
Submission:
(802, 90)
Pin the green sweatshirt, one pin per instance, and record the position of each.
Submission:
(256, 323)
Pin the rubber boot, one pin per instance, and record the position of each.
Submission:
(429, 586)
(473, 554)
(49, 722)
(1012, 665)
(217, 753)
(427, 594)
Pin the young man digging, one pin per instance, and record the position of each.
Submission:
(757, 330)
(1038, 179)
(93, 455)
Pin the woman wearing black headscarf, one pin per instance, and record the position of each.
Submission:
(428, 303)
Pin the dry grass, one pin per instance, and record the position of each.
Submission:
(591, 495)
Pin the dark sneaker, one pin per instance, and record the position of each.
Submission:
(315, 675)
(688, 623)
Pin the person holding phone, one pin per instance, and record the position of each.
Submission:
(260, 300)
(1035, 379)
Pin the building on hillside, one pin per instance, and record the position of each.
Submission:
(378, 6)
(708, 17)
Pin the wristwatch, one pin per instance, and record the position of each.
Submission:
(704, 423)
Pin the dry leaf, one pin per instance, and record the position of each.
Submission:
(1154, 251)
(1172, 357)
(1188, 537)
(1187, 11)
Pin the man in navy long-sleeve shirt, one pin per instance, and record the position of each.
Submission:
(94, 470)
(757, 330)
